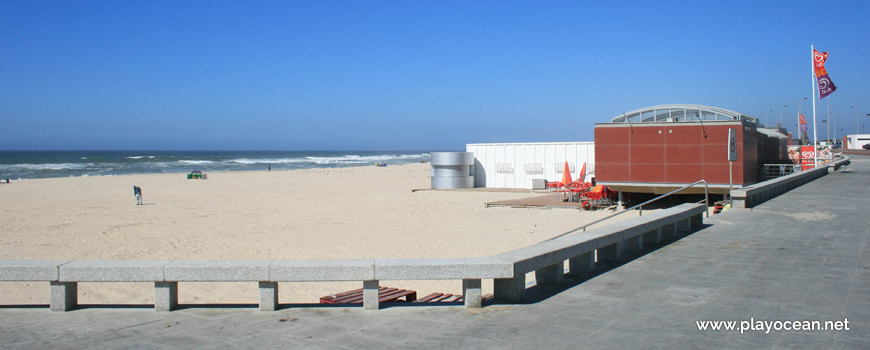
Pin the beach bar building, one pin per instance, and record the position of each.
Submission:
(527, 165)
(661, 148)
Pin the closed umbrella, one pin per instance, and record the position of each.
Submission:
(566, 175)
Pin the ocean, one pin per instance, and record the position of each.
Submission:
(16, 165)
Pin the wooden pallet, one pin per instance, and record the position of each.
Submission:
(445, 298)
(385, 295)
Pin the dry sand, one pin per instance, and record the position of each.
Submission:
(364, 212)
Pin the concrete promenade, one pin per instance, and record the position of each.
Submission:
(803, 256)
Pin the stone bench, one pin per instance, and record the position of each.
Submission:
(64, 290)
(611, 243)
(64, 276)
(755, 194)
(507, 270)
(470, 270)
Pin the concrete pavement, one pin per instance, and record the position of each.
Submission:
(802, 256)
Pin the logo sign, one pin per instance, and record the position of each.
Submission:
(826, 86)
(808, 155)
(732, 145)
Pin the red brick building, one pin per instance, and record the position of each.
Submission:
(658, 149)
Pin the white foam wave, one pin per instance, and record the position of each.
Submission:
(356, 159)
(46, 166)
(196, 162)
(249, 161)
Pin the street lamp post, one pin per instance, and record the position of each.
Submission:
(800, 107)
(829, 120)
(829, 129)
(780, 115)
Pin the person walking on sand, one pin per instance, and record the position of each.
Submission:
(137, 191)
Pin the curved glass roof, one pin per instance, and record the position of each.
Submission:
(680, 113)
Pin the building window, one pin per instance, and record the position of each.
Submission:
(534, 168)
(504, 168)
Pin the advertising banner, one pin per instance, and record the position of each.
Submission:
(794, 154)
(808, 154)
(826, 86)
(825, 155)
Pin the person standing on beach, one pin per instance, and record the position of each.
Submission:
(137, 191)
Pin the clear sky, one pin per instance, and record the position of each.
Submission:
(405, 75)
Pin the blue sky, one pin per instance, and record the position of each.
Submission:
(404, 75)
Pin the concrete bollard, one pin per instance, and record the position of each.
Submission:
(268, 296)
(64, 296)
(370, 295)
(165, 296)
(472, 293)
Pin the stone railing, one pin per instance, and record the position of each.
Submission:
(750, 196)
(508, 270)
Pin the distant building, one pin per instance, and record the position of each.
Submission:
(856, 141)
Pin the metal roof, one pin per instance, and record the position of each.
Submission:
(680, 113)
(772, 133)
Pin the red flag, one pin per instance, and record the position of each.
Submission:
(826, 86)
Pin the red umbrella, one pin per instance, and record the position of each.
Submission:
(582, 175)
(566, 175)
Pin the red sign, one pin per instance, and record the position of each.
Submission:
(808, 155)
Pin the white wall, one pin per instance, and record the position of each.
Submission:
(857, 141)
(503, 165)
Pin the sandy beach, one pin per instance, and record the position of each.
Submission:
(362, 212)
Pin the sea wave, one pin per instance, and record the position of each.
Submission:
(357, 159)
(248, 161)
(59, 164)
(195, 162)
(46, 166)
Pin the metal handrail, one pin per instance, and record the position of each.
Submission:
(640, 207)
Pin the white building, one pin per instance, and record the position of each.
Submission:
(515, 165)
(857, 141)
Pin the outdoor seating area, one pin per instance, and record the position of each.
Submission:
(589, 195)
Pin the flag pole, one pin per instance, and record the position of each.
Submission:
(813, 87)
